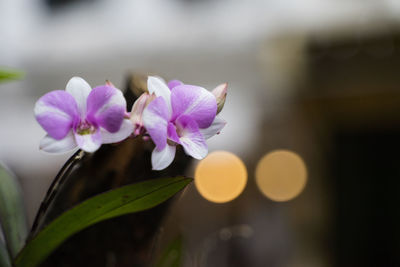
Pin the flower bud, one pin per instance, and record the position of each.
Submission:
(220, 95)
(137, 112)
(108, 83)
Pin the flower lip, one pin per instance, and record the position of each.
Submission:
(173, 134)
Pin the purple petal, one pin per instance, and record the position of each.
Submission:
(124, 132)
(52, 145)
(172, 134)
(194, 101)
(106, 107)
(80, 90)
(89, 142)
(161, 159)
(159, 88)
(191, 139)
(174, 83)
(214, 128)
(57, 112)
(155, 120)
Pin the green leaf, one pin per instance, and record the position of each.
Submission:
(7, 75)
(172, 255)
(4, 257)
(127, 199)
(12, 213)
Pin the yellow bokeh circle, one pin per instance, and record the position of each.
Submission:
(281, 175)
(220, 177)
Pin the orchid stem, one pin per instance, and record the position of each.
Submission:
(53, 189)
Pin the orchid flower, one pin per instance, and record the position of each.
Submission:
(179, 115)
(82, 117)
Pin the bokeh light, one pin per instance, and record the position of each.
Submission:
(220, 177)
(281, 175)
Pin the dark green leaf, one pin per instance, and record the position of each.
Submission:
(172, 255)
(12, 213)
(7, 75)
(127, 199)
(4, 257)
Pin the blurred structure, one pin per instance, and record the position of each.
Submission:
(314, 77)
(353, 102)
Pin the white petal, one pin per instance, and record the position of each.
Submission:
(160, 88)
(52, 145)
(161, 79)
(214, 128)
(195, 147)
(163, 158)
(124, 132)
(80, 90)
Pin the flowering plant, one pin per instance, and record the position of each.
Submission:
(169, 114)
(179, 115)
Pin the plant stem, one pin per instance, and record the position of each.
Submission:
(53, 189)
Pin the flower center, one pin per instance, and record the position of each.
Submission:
(174, 133)
(85, 128)
(171, 143)
(179, 131)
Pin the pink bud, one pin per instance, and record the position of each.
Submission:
(220, 95)
(110, 83)
(137, 112)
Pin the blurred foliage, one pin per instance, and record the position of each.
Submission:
(9, 75)
(12, 212)
(4, 257)
(172, 255)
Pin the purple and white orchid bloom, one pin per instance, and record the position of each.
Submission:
(179, 115)
(82, 117)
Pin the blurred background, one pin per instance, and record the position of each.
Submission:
(313, 109)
